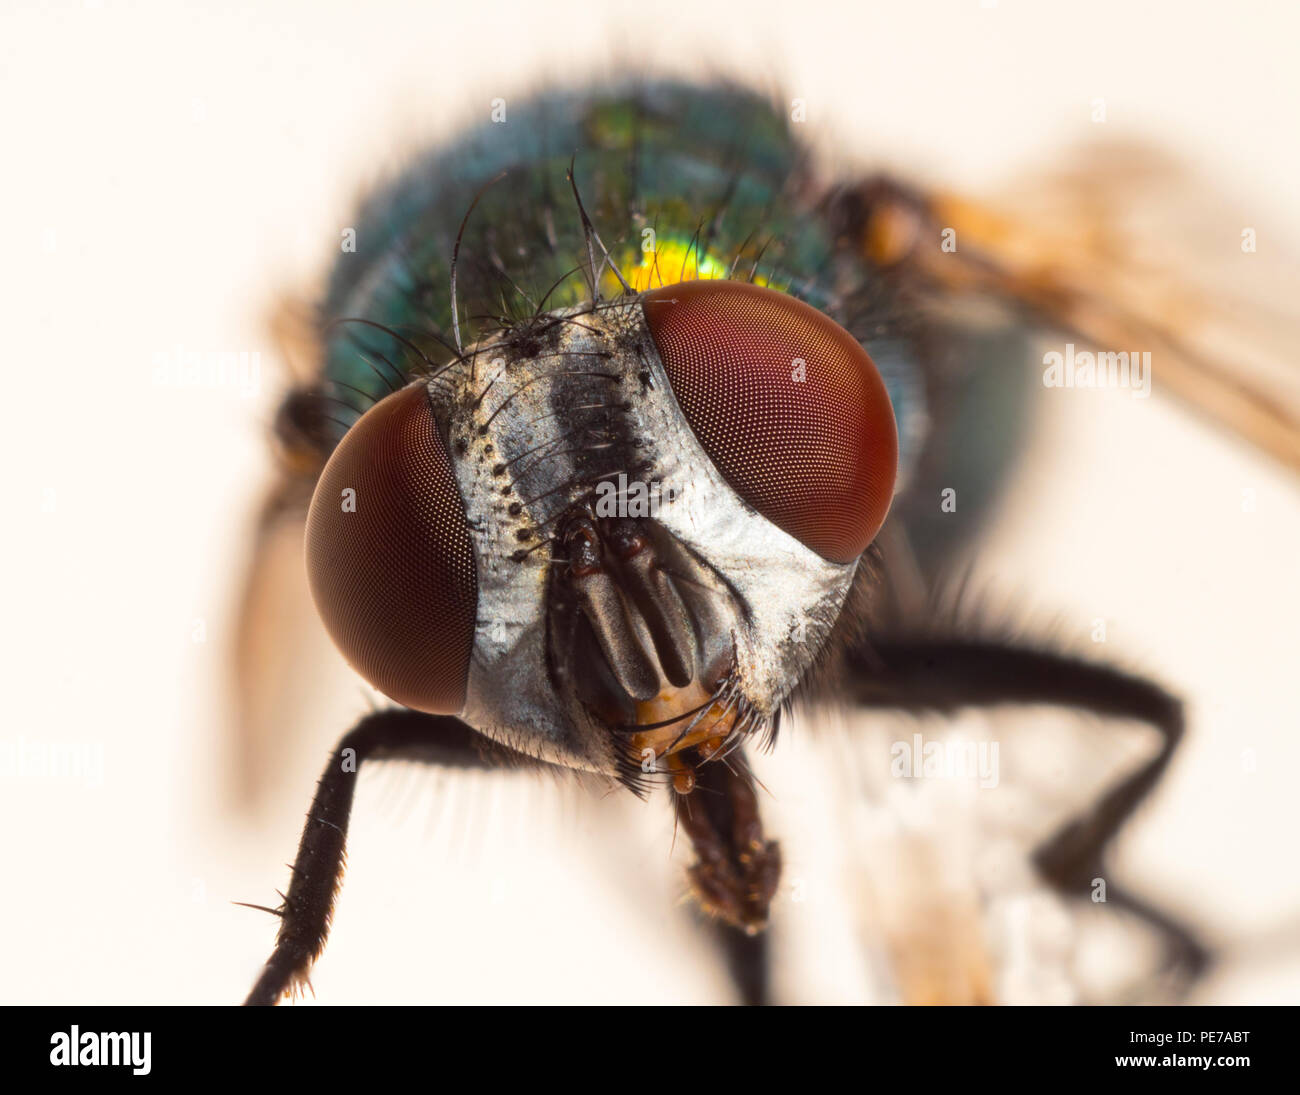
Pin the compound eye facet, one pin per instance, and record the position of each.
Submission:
(788, 406)
(389, 557)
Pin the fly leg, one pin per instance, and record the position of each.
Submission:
(318, 868)
(748, 961)
(738, 869)
(942, 675)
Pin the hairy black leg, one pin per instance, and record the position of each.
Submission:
(317, 869)
(945, 674)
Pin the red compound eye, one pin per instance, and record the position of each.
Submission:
(786, 403)
(389, 557)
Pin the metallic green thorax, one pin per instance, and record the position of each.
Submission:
(720, 177)
(678, 180)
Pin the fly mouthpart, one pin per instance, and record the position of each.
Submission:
(639, 635)
(630, 608)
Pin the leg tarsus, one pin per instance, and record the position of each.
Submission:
(317, 870)
(945, 674)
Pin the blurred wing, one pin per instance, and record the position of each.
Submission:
(1128, 250)
(929, 883)
(279, 651)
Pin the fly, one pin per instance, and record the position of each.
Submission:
(609, 471)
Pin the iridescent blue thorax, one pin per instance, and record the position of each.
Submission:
(679, 181)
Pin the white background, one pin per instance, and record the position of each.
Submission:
(170, 171)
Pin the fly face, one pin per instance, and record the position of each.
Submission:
(620, 531)
(616, 534)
